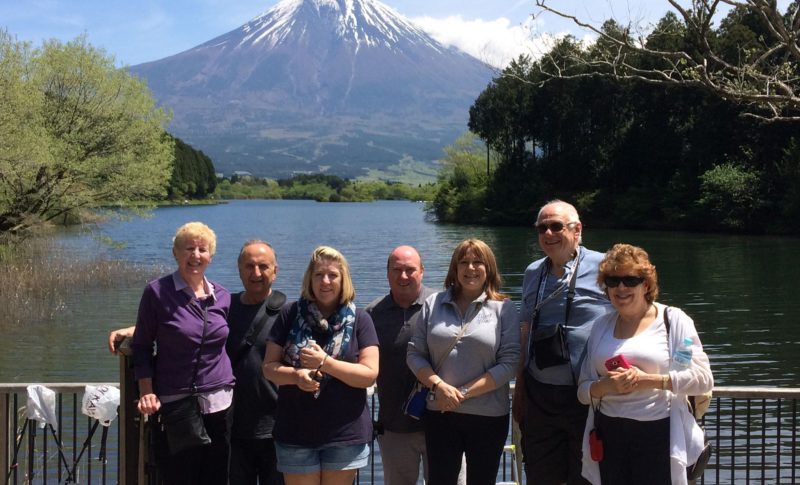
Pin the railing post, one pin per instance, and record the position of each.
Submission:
(5, 435)
(128, 419)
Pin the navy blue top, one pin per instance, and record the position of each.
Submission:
(339, 416)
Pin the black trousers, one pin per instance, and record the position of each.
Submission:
(254, 461)
(634, 452)
(202, 465)
(552, 433)
(448, 436)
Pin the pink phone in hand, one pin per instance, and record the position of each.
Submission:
(618, 361)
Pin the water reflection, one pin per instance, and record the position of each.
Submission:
(738, 289)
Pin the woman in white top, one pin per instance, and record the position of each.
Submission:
(636, 391)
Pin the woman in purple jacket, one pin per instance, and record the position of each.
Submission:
(177, 313)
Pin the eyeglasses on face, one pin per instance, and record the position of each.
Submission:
(555, 227)
(628, 281)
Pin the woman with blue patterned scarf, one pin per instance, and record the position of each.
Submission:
(323, 353)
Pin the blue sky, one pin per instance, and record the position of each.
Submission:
(136, 31)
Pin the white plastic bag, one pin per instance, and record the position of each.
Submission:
(41, 405)
(101, 403)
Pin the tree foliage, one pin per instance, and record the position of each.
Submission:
(193, 175)
(752, 58)
(76, 133)
(463, 182)
(628, 152)
(320, 187)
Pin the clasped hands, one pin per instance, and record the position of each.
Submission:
(448, 397)
(624, 381)
(311, 358)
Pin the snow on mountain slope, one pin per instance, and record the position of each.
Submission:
(307, 77)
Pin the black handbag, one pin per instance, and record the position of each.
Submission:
(183, 424)
(695, 471)
(549, 344)
(182, 420)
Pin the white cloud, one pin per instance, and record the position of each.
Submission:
(495, 42)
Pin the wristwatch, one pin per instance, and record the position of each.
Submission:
(464, 390)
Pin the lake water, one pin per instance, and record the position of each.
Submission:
(739, 289)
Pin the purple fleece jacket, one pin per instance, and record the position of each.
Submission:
(173, 321)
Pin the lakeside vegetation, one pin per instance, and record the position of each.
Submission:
(322, 188)
(37, 278)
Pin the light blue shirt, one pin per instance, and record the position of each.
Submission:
(589, 303)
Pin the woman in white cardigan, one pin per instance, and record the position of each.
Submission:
(636, 391)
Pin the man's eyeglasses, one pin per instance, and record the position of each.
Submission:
(555, 227)
(628, 281)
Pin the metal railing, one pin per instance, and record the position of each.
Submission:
(754, 434)
(753, 431)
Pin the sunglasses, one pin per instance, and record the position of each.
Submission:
(554, 227)
(628, 281)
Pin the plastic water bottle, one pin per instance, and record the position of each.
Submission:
(682, 357)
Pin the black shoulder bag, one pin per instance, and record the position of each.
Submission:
(550, 343)
(182, 420)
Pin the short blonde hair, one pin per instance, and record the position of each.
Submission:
(195, 230)
(632, 259)
(327, 253)
(483, 252)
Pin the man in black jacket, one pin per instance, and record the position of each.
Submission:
(253, 312)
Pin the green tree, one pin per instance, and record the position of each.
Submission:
(193, 174)
(461, 196)
(730, 195)
(77, 133)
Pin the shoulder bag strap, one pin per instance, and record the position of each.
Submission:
(200, 350)
(270, 306)
(452, 346)
(571, 292)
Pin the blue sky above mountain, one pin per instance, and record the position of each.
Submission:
(146, 30)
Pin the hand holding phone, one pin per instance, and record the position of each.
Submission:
(618, 361)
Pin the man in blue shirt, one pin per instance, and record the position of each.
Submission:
(560, 300)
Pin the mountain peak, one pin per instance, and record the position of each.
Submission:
(314, 85)
(360, 22)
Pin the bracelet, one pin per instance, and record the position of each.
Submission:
(435, 385)
(322, 363)
(664, 382)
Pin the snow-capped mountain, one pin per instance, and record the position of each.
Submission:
(309, 85)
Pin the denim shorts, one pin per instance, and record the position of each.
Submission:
(298, 459)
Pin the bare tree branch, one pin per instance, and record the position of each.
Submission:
(765, 80)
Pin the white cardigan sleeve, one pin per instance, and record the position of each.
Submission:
(697, 378)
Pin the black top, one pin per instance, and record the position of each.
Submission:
(394, 326)
(254, 397)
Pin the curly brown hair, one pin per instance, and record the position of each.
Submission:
(625, 258)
